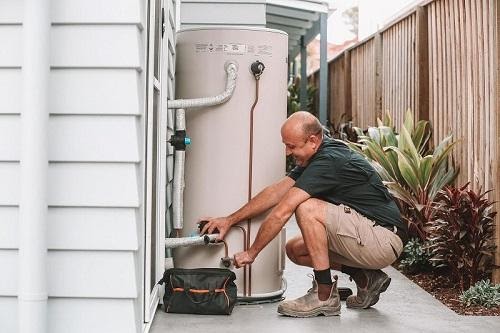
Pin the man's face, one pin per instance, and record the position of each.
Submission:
(298, 145)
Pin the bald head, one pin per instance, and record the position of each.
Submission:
(304, 123)
(302, 135)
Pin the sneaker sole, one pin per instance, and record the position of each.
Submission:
(327, 312)
(383, 287)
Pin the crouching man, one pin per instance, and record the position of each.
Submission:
(347, 218)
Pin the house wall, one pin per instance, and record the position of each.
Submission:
(96, 155)
(223, 12)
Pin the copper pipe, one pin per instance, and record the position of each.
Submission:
(226, 251)
(245, 247)
(250, 176)
(243, 230)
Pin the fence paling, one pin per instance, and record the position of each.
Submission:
(442, 60)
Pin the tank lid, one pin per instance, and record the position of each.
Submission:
(230, 27)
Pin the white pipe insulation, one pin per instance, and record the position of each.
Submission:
(34, 163)
(231, 69)
(171, 243)
(179, 184)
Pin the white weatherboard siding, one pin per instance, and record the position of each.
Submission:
(196, 13)
(96, 181)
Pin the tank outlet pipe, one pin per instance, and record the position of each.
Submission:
(231, 69)
(171, 243)
(257, 68)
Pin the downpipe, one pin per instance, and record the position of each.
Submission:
(32, 288)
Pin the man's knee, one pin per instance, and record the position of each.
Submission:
(309, 208)
(292, 249)
(306, 207)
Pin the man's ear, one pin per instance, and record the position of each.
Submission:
(315, 139)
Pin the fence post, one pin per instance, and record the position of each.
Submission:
(347, 85)
(422, 65)
(303, 75)
(378, 77)
(323, 69)
(496, 170)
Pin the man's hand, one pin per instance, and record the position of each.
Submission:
(242, 258)
(213, 225)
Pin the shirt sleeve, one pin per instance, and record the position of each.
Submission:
(318, 178)
(295, 172)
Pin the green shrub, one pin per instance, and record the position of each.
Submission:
(482, 293)
(416, 257)
(462, 234)
(413, 173)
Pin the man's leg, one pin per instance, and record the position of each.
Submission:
(311, 216)
(325, 298)
(363, 249)
(297, 252)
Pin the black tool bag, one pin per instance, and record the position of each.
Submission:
(199, 291)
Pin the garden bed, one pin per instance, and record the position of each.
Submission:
(439, 285)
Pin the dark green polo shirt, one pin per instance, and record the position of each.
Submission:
(339, 175)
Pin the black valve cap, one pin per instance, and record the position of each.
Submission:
(257, 68)
(226, 262)
(202, 224)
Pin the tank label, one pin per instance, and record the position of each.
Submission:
(233, 48)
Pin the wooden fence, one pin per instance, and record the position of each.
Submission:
(440, 59)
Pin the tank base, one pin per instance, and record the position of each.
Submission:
(258, 300)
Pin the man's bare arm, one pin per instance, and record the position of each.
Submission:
(272, 225)
(267, 198)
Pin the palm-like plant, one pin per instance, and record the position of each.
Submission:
(413, 173)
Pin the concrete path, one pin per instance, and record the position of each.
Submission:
(404, 307)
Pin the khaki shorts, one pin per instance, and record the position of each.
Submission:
(356, 241)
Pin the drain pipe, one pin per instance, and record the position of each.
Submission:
(32, 290)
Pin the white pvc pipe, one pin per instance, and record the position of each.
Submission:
(231, 70)
(178, 190)
(171, 243)
(180, 119)
(32, 259)
(179, 183)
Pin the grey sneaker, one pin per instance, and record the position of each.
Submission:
(309, 305)
(377, 282)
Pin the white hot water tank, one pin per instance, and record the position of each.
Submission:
(217, 161)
